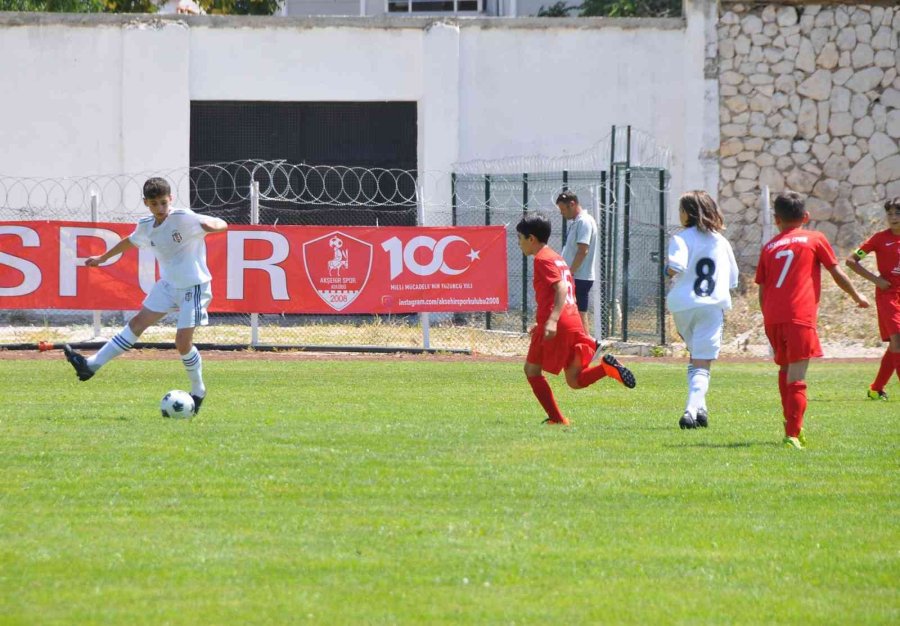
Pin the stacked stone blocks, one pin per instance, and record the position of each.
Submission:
(809, 101)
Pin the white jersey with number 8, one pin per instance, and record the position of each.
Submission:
(706, 270)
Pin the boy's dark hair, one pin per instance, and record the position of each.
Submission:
(702, 211)
(789, 206)
(534, 224)
(156, 188)
(567, 197)
(892, 203)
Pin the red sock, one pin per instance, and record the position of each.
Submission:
(796, 392)
(591, 375)
(782, 389)
(896, 362)
(544, 394)
(885, 371)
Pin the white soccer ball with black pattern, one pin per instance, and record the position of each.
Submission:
(177, 404)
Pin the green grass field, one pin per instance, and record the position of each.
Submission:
(419, 491)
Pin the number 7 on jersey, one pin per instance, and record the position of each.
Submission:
(784, 254)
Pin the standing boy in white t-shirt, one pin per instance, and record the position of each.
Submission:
(579, 250)
(702, 264)
(176, 237)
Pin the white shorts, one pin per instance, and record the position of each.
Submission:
(191, 303)
(701, 329)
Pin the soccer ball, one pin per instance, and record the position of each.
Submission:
(177, 403)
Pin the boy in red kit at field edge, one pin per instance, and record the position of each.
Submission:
(886, 246)
(558, 340)
(789, 279)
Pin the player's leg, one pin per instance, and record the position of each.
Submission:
(697, 388)
(192, 313)
(126, 338)
(86, 367)
(885, 372)
(579, 373)
(193, 363)
(706, 344)
(895, 352)
(582, 300)
(543, 393)
(796, 402)
(888, 306)
(161, 299)
(777, 336)
(684, 324)
(782, 389)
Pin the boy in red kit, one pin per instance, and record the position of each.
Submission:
(886, 246)
(558, 340)
(789, 279)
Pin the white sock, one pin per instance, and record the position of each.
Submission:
(193, 364)
(120, 344)
(699, 384)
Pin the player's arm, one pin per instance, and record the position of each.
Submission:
(734, 267)
(560, 292)
(123, 245)
(676, 257)
(853, 262)
(842, 281)
(213, 224)
(579, 257)
(760, 297)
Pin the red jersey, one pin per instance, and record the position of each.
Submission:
(549, 269)
(789, 271)
(886, 246)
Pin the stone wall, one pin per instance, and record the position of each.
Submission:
(809, 100)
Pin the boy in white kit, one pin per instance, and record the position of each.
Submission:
(702, 264)
(177, 238)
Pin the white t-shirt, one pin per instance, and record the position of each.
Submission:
(179, 246)
(581, 229)
(706, 270)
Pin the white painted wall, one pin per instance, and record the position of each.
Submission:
(554, 91)
(111, 94)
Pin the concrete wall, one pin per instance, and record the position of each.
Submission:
(111, 94)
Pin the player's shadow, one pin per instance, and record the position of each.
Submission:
(733, 444)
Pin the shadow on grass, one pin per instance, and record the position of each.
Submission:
(734, 444)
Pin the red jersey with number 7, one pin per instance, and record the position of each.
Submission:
(549, 269)
(789, 272)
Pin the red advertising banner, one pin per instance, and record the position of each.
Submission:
(266, 269)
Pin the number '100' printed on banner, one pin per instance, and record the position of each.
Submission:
(264, 269)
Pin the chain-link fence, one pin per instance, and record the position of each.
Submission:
(626, 198)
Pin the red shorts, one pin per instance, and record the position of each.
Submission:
(793, 342)
(888, 305)
(557, 353)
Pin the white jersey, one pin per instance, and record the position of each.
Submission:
(179, 246)
(706, 270)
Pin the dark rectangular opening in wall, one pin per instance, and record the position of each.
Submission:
(356, 135)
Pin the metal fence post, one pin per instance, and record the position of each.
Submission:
(661, 309)
(424, 318)
(254, 219)
(565, 187)
(603, 240)
(598, 263)
(453, 200)
(95, 217)
(524, 259)
(487, 222)
(626, 234)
